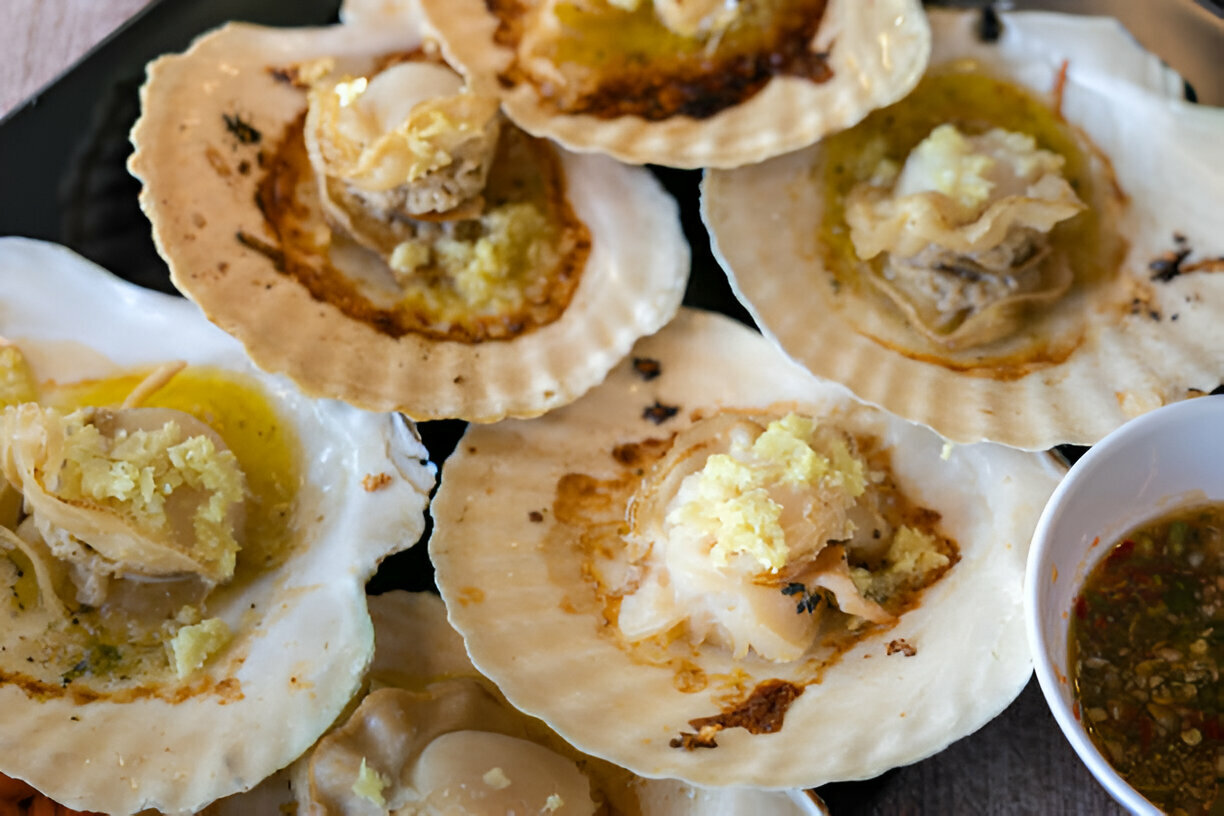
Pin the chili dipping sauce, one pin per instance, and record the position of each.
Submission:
(1146, 647)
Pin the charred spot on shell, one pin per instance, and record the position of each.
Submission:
(1172, 263)
(709, 76)
(647, 368)
(636, 454)
(902, 646)
(290, 75)
(241, 129)
(273, 254)
(762, 712)
(660, 413)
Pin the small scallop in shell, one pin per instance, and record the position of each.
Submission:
(419, 292)
(693, 84)
(108, 707)
(432, 728)
(1137, 327)
(539, 549)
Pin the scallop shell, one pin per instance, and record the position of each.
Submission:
(508, 581)
(416, 647)
(878, 51)
(296, 667)
(1144, 343)
(405, 14)
(198, 198)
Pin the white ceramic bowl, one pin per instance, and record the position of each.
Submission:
(1171, 456)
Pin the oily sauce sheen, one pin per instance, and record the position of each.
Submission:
(627, 63)
(1146, 647)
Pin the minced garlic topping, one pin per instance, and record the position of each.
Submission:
(16, 381)
(125, 491)
(963, 193)
(134, 474)
(193, 645)
(488, 273)
(912, 556)
(733, 505)
(370, 785)
(396, 127)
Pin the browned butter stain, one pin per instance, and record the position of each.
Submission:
(226, 690)
(640, 68)
(762, 712)
(524, 167)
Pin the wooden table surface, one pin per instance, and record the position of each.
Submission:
(40, 38)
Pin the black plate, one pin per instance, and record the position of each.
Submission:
(63, 178)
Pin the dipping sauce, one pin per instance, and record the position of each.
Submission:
(1146, 647)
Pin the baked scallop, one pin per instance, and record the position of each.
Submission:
(184, 543)
(432, 734)
(1005, 254)
(367, 223)
(686, 84)
(718, 568)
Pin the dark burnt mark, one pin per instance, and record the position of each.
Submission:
(240, 129)
(636, 454)
(244, 167)
(660, 413)
(1217, 391)
(1173, 263)
(903, 646)
(690, 742)
(1168, 265)
(989, 26)
(809, 600)
(273, 254)
(762, 712)
(647, 368)
(287, 76)
(535, 517)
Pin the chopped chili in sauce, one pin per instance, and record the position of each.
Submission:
(1146, 648)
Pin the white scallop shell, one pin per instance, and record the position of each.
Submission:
(1169, 159)
(878, 51)
(416, 646)
(305, 656)
(405, 14)
(632, 283)
(504, 580)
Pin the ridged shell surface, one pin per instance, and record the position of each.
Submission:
(878, 50)
(199, 192)
(302, 634)
(1142, 342)
(416, 646)
(513, 584)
